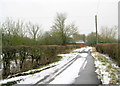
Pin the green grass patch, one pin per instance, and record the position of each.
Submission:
(109, 68)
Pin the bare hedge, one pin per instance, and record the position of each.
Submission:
(22, 58)
(112, 49)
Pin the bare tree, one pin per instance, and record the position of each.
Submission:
(59, 26)
(8, 26)
(34, 30)
(13, 27)
(71, 29)
(64, 31)
(21, 28)
(108, 34)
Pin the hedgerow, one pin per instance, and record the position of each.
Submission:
(112, 49)
(21, 58)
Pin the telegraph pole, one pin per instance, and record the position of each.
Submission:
(96, 29)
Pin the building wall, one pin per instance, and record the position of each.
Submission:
(81, 44)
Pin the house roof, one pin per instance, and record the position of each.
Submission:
(80, 41)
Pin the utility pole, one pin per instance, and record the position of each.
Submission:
(96, 29)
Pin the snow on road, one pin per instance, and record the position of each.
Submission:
(68, 76)
(84, 49)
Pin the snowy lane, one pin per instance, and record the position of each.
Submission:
(62, 72)
(58, 71)
(88, 75)
(68, 76)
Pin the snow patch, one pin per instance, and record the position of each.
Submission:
(83, 54)
(105, 68)
(68, 76)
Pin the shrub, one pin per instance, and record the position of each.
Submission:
(22, 58)
(112, 49)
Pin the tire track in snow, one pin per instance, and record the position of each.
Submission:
(48, 78)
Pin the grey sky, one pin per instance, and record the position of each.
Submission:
(81, 12)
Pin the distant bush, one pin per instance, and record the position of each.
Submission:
(22, 58)
(112, 49)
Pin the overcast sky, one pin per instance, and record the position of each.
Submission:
(81, 12)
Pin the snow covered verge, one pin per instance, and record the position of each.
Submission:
(41, 73)
(106, 69)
